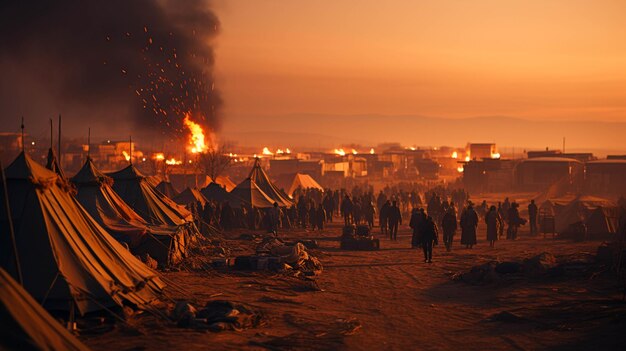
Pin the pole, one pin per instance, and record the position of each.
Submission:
(22, 126)
(18, 267)
(59, 149)
(88, 142)
(563, 144)
(51, 135)
(130, 160)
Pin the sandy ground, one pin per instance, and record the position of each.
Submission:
(391, 300)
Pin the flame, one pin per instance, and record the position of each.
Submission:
(267, 151)
(467, 158)
(460, 169)
(455, 155)
(126, 155)
(159, 156)
(354, 152)
(340, 152)
(372, 151)
(197, 135)
(279, 152)
(287, 151)
(495, 155)
(173, 161)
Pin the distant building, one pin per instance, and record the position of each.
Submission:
(479, 151)
(489, 175)
(537, 174)
(606, 177)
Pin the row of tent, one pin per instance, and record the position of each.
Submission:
(600, 216)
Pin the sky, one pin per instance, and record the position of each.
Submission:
(530, 59)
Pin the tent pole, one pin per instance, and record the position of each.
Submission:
(88, 142)
(131, 150)
(22, 126)
(51, 135)
(11, 229)
(59, 148)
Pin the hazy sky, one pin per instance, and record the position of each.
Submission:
(536, 59)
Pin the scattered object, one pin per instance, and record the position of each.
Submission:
(539, 265)
(358, 238)
(222, 315)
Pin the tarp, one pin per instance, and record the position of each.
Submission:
(188, 196)
(166, 188)
(53, 163)
(303, 181)
(26, 325)
(95, 194)
(578, 209)
(602, 221)
(248, 190)
(215, 192)
(65, 256)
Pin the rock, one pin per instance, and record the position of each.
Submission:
(539, 265)
(508, 267)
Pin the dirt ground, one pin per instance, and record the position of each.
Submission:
(391, 300)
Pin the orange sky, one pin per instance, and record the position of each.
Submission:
(536, 59)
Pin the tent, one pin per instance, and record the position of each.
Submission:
(602, 221)
(150, 204)
(303, 181)
(215, 192)
(26, 325)
(251, 193)
(95, 194)
(226, 182)
(53, 163)
(166, 188)
(67, 259)
(259, 183)
(578, 209)
(188, 196)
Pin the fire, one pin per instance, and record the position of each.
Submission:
(340, 152)
(126, 155)
(460, 169)
(467, 158)
(197, 135)
(354, 152)
(266, 151)
(455, 155)
(372, 151)
(287, 151)
(495, 155)
(159, 156)
(173, 161)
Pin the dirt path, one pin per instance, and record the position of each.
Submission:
(391, 300)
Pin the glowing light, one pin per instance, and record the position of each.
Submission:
(173, 161)
(279, 152)
(340, 152)
(467, 158)
(197, 139)
(372, 151)
(354, 152)
(126, 155)
(460, 169)
(287, 151)
(455, 155)
(159, 156)
(267, 151)
(495, 155)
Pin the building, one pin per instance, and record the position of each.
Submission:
(537, 174)
(489, 175)
(479, 151)
(606, 177)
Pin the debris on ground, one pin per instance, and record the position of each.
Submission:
(358, 238)
(216, 316)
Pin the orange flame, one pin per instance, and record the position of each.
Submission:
(354, 152)
(372, 151)
(267, 151)
(340, 152)
(173, 161)
(159, 156)
(126, 155)
(197, 135)
(455, 154)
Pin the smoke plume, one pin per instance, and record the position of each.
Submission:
(134, 66)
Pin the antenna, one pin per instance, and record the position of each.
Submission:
(22, 126)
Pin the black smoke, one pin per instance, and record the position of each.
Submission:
(123, 65)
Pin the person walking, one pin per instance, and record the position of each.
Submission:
(395, 219)
(416, 222)
(383, 217)
(469, 222)
(449, 226)
(532, 217)
(494, 223)
(430, 237)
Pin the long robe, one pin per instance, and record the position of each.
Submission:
(469, 221)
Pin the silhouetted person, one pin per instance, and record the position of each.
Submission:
(328, 207)
(416, 223)
(274, 219)
(368, 212)
(383, 217)
(494, 222)
(346, 210)
(449, 226)
(503, 214)
(532, 217)
(430, 236)
(320, 216)
(469, 222)
(395, 219)
(514, 221)
(227, 216)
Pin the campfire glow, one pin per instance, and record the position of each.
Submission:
(467, 158)
(340, 152)
(372, 151)
(197, 139)
(266, 151)
(159, 156)
(354, 152)
(495, 155)
(460, 169)
(455, 155)
(126, 155)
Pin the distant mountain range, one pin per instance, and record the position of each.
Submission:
(317, 130)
